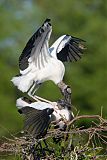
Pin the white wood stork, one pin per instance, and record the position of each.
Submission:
(39, 63)
(38, 115)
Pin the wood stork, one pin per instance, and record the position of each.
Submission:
(38, 115)
(39, 63)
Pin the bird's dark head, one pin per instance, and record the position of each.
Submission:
(63, 104)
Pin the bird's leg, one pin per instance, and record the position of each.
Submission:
(36, 87)
(32, 91)
(66, 91)
(44, 100)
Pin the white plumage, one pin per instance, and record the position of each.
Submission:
(57, 113)
(39, 63)
(38, 115)
(54, 71)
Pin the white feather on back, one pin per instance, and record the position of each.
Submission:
(64, 113)
(20, 103)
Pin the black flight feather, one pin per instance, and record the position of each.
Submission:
(72, 50)
(36, 121)
(30, 46)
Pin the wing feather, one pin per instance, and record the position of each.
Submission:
(36, 121)
(34, 49)
(67, 48)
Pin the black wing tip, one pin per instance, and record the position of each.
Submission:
(77, 47)
(47, 20)
(77, 39)
(68, 35)
(28, 49)
(80, 43)
(82, 47)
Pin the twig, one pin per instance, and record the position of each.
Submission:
(23, 145)
(87, 116)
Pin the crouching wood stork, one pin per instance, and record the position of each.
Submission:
(38, 115)
(39, 63)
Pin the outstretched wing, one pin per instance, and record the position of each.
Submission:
(36, 121)
(67, 48)
(36, 49)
